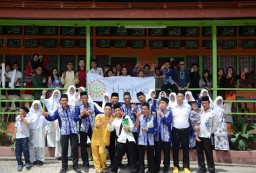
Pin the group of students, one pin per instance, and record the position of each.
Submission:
(153, 125)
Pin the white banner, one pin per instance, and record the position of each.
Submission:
(98, 85)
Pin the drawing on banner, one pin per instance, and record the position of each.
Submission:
(96, 88)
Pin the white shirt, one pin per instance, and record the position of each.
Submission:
(125, 135)
(17, 76)
(209, 123)
(180, 115)
(22, 128)
(98, 71)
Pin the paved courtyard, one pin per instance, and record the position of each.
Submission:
(8, 165)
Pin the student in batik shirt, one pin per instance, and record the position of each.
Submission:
(163, 135)
(85, 113)
(66, 117)
(129, 110)
(141, 98)
(147, 126)
(208, 125)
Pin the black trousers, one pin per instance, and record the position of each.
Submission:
(135, 134)
(112, 146)
(180, 136)
(173, 87)
(83, 146)
(120, 150)
(150, 158)
(64, 149)
(159, 147)
(205, 146)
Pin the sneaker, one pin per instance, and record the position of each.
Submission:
(175, 170)
(63, 170)
(28, 166)
(34, 163)
(19, 168)
(186, 170)
(76, 168)
(40, 163)
(58, 158)
(86, 168)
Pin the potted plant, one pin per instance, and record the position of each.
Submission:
(244, 134)
(5, 139)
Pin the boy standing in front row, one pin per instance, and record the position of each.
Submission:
(100, 139)
(21, 135)
(66, 117)
(208, 125)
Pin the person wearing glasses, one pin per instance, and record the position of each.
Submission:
(194, 79)
(182, 77)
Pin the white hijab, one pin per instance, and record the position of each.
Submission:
(105, 100)
(35, 116)
(162, 93)
(148, 96)
(190, 95)
(172, 103)
(159, 98)
(52, 103)
(201, 94)
(218, 108)
(95, 104)
(71, 97)
(77, 96)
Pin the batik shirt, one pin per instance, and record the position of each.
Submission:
(66, 119)
(195, 117)
(128, 110)
(209, 123)
(87, 121)
(146, 138)
(164, 126)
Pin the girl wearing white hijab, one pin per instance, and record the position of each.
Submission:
(189, 97)
(37, 133)
(150, 98)
(220, 135)
(204, 92)
(52, 129)
(71, 92)
(95, 104)
(106, 99)
(172, 100)
(161, 94)
(77, 95)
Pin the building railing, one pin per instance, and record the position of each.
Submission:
(245, 100)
